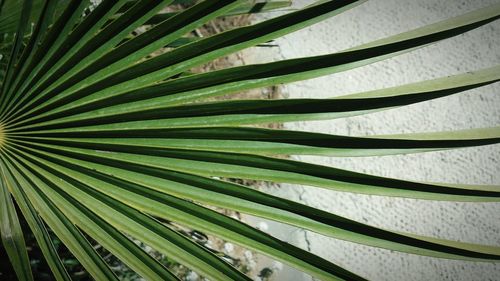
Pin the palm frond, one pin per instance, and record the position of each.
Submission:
(101, 136)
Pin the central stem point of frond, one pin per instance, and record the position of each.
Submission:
(2, 135)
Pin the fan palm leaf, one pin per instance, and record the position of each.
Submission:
(99, 138)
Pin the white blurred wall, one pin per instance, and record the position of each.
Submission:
(471, 222)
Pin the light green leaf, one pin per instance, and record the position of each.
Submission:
(11, 233)
(37, 226)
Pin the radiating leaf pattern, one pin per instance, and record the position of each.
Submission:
(99, 139)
